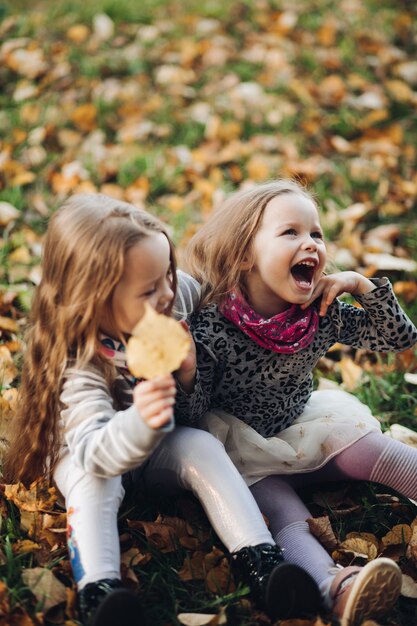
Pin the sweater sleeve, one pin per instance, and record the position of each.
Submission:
(191, 407)
(380, 325)
(102, 441)
(188, 296)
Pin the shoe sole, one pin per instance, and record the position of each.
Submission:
(374, 592)
(120, 608)
(291, 592)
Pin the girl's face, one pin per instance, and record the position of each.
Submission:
(289, 255)
(146, 278)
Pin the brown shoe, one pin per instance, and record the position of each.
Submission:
(365, 592)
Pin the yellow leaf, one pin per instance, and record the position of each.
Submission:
(399, 534)
(351, 373)
(6, 323)
(25, 546)
(78, 33)
(407, 289)
(84, 117)
(360, 548)
(158, 345)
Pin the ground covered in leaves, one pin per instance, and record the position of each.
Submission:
(171, 105)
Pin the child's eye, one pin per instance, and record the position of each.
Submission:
(149, 293)
(290, 231)
(317, 235)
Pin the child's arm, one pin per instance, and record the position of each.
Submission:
(380, 325)
(191, 406)
(332, 285)
(105, 442)
(186, 373)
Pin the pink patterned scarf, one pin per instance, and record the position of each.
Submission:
(287, 332)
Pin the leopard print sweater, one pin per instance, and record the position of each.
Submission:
(269, 390)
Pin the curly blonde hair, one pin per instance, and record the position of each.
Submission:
(216, 253)
(83, 260)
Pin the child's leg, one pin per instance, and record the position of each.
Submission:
(93, 543)
(194, 460)
(376, 458)
(92, 504)
(287, 515)
(351, 593)
(380, 459)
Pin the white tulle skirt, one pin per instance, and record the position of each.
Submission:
(331, 421)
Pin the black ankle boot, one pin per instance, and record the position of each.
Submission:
(106, 603)
(281, 589)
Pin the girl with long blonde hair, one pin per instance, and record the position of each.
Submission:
(268, 314)
(87, 423)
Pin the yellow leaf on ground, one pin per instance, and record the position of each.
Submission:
(351, 373)
(399, 534)
(158, 345)
(25, 546)
(360, 548)
(8, 324)
(84, 117)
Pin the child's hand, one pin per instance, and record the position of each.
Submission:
(185, 374)
(154, 399)
(333, 285)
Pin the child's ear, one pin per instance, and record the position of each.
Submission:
(246, 263)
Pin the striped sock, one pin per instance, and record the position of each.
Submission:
(397, 468)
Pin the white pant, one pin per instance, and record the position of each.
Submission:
(187, 458)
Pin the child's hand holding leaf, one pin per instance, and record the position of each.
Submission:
(158, 346)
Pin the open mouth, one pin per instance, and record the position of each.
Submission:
(303, 273)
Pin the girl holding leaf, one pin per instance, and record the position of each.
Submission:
(85, 422)
(268, 314)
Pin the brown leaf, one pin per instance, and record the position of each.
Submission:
(193, 568)
(4, 599)
(158, 534)
(219, 579)
(322, 529)
(39, 497)
(45, 586)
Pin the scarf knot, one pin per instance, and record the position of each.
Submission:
(287, 332)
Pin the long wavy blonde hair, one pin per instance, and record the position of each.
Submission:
(216, 253)
(84, 258)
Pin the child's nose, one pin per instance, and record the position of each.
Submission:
(310, 243)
